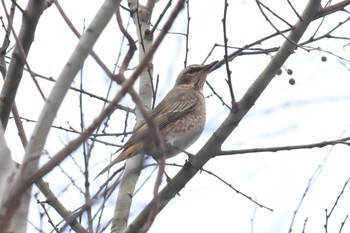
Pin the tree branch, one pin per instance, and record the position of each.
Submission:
(212, 147)
(37, 141)
(333, 8)
(24, 41)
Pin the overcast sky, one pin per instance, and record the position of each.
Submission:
(313, 110)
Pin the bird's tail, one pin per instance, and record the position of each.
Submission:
(125, 154)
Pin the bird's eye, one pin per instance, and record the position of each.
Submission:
(192, 70)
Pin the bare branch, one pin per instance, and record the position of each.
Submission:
(36, 143)
(228, 71)
(212, 147)
(333, 8)
(289, 147)
(24, 41)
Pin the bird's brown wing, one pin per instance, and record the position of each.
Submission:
(176, 104)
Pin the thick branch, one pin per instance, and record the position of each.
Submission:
(24, 41)
(333, 8)
(212, 147)
(37, 141)
(133, 165)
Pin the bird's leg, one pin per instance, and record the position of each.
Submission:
(168, 179)
(190, 156)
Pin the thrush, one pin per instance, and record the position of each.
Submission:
(180, 118)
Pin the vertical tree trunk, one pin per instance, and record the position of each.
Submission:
(142, 17)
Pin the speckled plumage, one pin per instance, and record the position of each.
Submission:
(180, 117)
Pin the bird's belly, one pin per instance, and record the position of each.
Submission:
(181, 136)
(184, 139)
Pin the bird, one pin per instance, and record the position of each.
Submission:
(180, 118)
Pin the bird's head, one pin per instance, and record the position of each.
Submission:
(194, 76)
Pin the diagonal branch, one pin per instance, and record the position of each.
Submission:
(37, 141)
(333, 8)
(212, 147)
(24, 41)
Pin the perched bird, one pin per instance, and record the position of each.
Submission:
(180, 117)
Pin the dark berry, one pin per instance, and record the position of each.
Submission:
(292, 81)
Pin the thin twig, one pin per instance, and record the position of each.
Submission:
(228, 71)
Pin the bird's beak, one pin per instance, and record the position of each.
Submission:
(210, 66)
